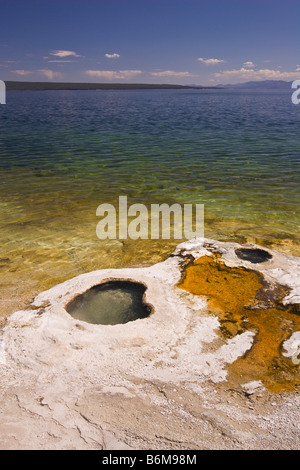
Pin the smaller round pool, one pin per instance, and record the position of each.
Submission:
(254, 255)
(110, 303)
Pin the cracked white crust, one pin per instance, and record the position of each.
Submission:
(155, 383)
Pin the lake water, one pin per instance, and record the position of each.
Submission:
(62, 153)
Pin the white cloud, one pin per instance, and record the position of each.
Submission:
(112, 74)
(62, 53)
(171, 73)
(251, 74)
(60, 61)
(211, 61)
(112, 56)
(50, 74)
(248, 64)
(22, 72)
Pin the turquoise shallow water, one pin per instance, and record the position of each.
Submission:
(62, 153)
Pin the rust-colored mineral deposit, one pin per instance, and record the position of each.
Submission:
(243, 300)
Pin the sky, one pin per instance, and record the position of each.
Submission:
(200, 42)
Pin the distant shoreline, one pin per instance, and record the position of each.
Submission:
(260, 85)
(41, 86)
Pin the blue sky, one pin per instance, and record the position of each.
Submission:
(150, 41)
